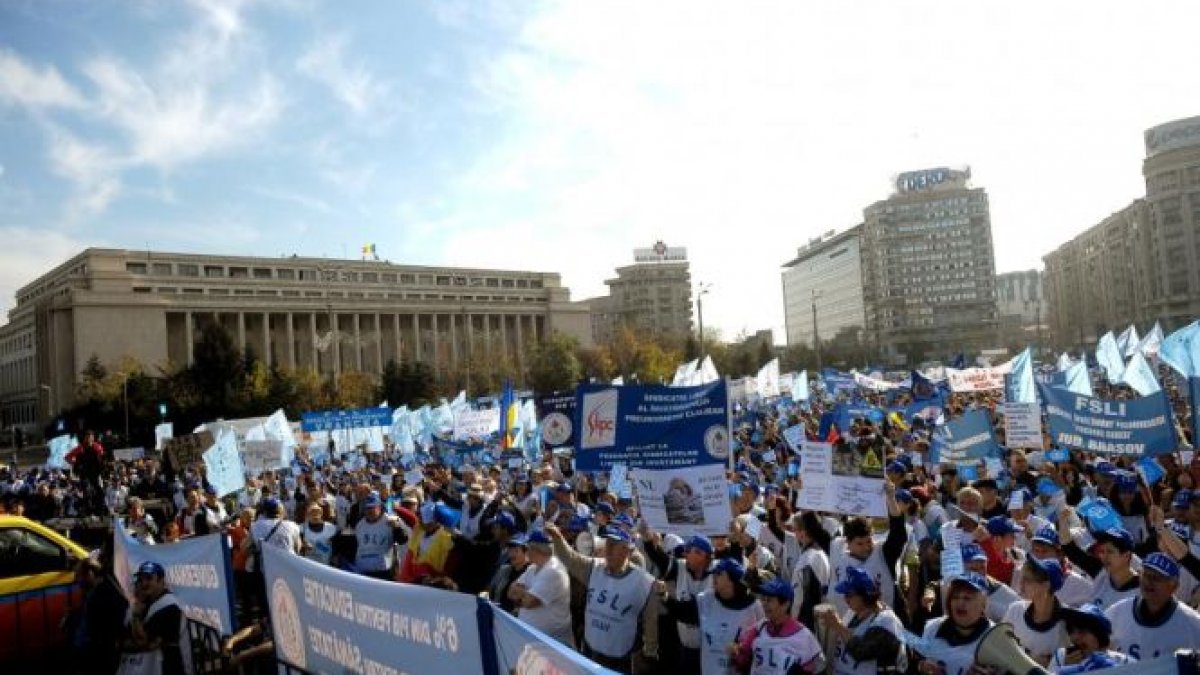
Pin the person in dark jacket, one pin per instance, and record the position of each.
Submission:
(94, 630)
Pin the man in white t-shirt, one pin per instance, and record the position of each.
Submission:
(1153, 623)
(543, 592)
(272, 529)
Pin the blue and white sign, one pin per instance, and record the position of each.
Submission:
(523, 650)
(331, 420)
(329, 621)
(59, 447)
(198, 573)
(651, 427)
(557, 414)
(1142, 426)
(968, 437)
(845, 414)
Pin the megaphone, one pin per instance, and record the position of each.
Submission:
(1000, 649)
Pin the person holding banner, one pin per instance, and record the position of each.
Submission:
(156, 623)
(620, 606)
(376, 536)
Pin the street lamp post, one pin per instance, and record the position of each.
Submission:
(700, 314)
(816, 333)
(50, 400)
(125, 396)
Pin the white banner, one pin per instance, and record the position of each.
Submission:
(872, 383)
(129, 454)
(978, 379)
(840, 484)
(1023, 425)
(476, 423)
(767, 381)
(685, 501)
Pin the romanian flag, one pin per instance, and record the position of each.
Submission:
(509, 411)
(368, 250)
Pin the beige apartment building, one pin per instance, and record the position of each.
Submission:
(1140, 264)
(652, 296)
(330, 315)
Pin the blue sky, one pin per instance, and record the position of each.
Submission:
(559, 136)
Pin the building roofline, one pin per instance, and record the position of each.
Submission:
(820, 246)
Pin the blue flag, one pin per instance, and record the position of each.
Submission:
(1181, 350)
(1108, 355)
(1140, 376)
(1019, 384)
(1143, 426)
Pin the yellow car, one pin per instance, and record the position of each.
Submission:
(37, 587)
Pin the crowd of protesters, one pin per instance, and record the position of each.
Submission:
(801, 592)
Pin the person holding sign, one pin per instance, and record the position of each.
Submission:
(868, 639)
(619, 601)
(858, 548)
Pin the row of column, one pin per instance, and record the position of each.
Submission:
(334, 341)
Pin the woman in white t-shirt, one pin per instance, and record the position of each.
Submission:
(1037, 620)
(318, 535)
(869, 636)
(543, 592)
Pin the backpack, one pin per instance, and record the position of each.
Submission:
(254, 559)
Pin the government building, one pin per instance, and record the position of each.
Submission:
(325, 314)
(653, 296)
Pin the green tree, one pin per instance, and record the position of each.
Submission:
(553, 365)
(217, 370)
(766, 352)
(391, 384)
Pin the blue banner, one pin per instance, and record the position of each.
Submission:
(329, 621)
(333, 420)
(846, 413)
(968, 437)
(198, 570)
(651, 427)
(836, 382)
(1142, 426)
(556, 413)
(520, 648)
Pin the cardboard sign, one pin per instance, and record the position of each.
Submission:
(184, 451)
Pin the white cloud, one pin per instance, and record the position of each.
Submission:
(23, 84)
(28, 253)
(741, 133)
(94, 169)
(170, 123)
(351, 83)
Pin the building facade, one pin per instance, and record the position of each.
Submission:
(328, 315)
(1098, 281)
(1021, 308)
(826, 273)
(929, 269)
(1141, 264)
(653, 296)
(1172, 173)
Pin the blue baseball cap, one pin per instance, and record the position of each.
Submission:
(538, 537)
(730, 567)
(1088, 616)
(618, 535)
(505, 519)
(605, 508)
(150, 569)
(577, 523)
(1106, 469)
(372, 499)
(1126, 482)
(998, 526)
(777, 588)
(700, 543)
(1047, 535)
(1117, 536)
(563, 487)
(1049, 568)
(858, 581)
(973, 552)
(1182, 499)
(271, 505)
(1162, 564)
(897, 467)
(518, 539)
(904, 496)
(971, 579)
